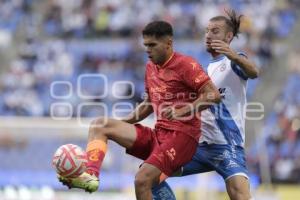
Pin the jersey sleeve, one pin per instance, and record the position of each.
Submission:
(238, 70)
(193, 75)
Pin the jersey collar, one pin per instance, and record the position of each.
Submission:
(167, 62)
(218, 58)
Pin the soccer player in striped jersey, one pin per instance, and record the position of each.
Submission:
(221, 145)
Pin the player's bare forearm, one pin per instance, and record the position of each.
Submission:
(248, 66)
(142, 111)
(208, 95)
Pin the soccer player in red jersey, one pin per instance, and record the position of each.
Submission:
(177, 89)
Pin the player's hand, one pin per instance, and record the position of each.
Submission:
(222, 47)
(167, 112)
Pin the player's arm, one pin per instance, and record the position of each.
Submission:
(248, 67)
(208, 95)
(142, 111)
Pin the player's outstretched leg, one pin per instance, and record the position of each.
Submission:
(101, 129)
(163, 192)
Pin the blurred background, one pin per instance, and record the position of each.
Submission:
(66, 61)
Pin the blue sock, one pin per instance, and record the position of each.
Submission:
(163, 192)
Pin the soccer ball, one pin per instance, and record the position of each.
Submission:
(69, 160)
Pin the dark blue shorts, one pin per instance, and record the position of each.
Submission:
(226, 160)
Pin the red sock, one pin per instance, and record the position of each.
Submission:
(96, 150)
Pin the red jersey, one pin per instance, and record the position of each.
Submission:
(176, 83)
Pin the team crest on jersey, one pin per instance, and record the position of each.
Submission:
(194, 65)
(222, 67)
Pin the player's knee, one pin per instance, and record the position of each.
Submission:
(99, 124)
(100, 121)
(242, 196)
(142, 180)
(237, 193)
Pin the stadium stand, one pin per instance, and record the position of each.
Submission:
(64, 40)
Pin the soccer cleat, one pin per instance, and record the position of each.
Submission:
(85, 181)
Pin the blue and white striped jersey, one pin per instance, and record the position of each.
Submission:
(225, 123)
